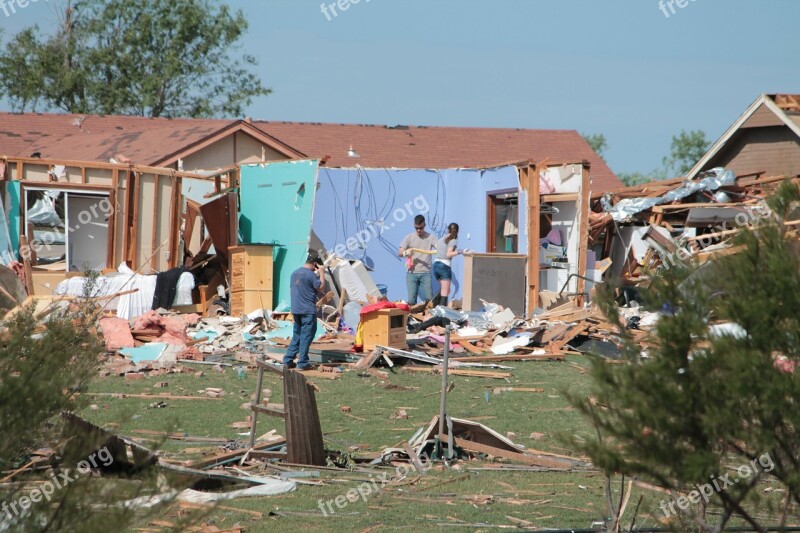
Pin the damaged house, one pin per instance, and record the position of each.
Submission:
(157, 173)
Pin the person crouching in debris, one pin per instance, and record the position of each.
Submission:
(416, 248)
(446, 250)
(306, 281)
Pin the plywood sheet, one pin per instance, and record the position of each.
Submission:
(497, 278)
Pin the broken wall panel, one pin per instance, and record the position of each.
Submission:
(277, 205)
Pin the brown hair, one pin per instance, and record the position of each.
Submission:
(452, 232)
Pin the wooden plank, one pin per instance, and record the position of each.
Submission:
(26, 263)
(154, 245)
(175, 222)
(303, 430)
(280, 413)
(583, 233)
(125, 395)
(112, 227)
(137, 201)
(474, 447)
(563, 197)
(510, 357)
(203, 463)
(673, 207)
(533, 223)
(368, 360)
(460, 372)
(470, 348)
(576, 330)
(126, 220)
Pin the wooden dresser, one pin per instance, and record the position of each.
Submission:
(251, 278)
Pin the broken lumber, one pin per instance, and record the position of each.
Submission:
(461, 372)
(520, 457)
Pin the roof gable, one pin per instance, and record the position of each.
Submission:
(767, 110)
(146, 141)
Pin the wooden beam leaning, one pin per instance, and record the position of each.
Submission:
(583, 232)
(175, 221)
(303, 430)
(531, 177)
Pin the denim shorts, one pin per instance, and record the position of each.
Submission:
(442, 271)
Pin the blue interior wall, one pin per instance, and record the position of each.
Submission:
(365, 213)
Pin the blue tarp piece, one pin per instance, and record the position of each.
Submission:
(147, 352)
(277, 202)
(365, 213)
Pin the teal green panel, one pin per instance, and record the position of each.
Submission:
(276, 207)
(12, 194)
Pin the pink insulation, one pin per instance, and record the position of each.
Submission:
(116, 333)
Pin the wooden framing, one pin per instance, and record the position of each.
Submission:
(154, 245)
(112, 228)
(529, 175)
(175, 222)
(583, 232)
(529, 181)
(128, 188)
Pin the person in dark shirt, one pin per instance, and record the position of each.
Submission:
(306, 282)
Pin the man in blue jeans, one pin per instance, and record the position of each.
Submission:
(418, 275)
(306, 282)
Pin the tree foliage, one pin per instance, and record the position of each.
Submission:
(686, 150)
(45, 367)
(597, 141)
(166, 58)
(703, 402)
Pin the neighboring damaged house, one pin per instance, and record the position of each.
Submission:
(764, 140)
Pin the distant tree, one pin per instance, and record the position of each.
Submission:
(686, 150)
(597, 141)
(711, 416)
(633, 178)
(158, 58)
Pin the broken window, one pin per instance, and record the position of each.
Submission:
(67, 230)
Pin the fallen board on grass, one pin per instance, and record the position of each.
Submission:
(461, 372)
(510, 357)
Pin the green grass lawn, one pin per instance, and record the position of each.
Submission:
(449, 496)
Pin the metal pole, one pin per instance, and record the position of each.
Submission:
(445, 363)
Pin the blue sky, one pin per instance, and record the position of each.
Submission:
(617, 67)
